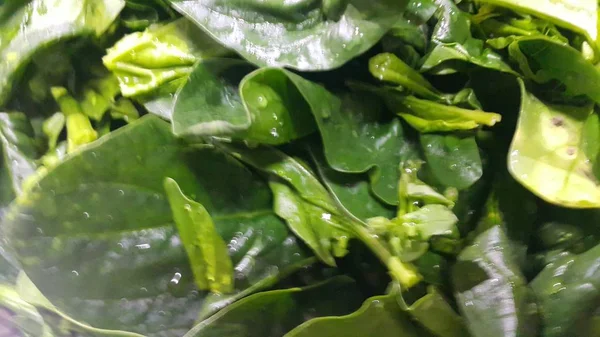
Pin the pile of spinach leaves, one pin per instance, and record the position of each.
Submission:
(299, 168)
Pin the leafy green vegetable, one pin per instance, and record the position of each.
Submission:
(567, 292)
(580, 16)
(379, 315)
(305, 35)
(30, 26)
(453, 160)
(19, 152)
(492, 293)
(543, 59)
(122, 221)
(206, 250)
(550, 152)
(273, 313)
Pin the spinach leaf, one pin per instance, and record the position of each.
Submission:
(350, 190)
(552, 152)
(428, 116)
(268, 106)
(207, 252)
(119, 230)
(305, 35)
(379, 315)
(274, 107)
(543, 59)
(580, 16)
(33, 25)
(387, 67)
(22, 316)
(451, 41)
(152, 65)
(435, 314)
(567, 293)
(453, 159)
(492, 294)
(307, 186)
(19, 152)
(273, 313)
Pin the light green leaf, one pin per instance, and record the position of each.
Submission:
(548, 152)
(35, 24)
(207, 252)
(578, 15)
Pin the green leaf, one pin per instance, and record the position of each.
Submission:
(319, 229)
(567, 292)
(427, 116)
(19, 152)
(33, 25)
(435, 314)
(143, 61)
(52, 128)
(351, 191)
(267, 107)
(387, 67)
(543, 59)
(207, 252)
(491, 292)
(452, 41)
(309, 188)
(578, 15)
(454, 160)
(550, 155)
(273, 313)
(101, 218)
(301, 35)
(432, 220)
(378, 316)
(23, 318)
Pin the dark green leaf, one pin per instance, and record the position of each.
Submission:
(436, 315)
(378, 316)
(543, 59)
(453, 160)
(300, 34)
(567, 292)
(492, 294)
(101, 218)
(273, 313)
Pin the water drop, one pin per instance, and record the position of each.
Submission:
(144, 289)
(143, 246)
(86, 215)
(74, 272)
(175, 279)
(187, 207)
(121, 192)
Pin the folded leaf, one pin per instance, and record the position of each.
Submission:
(378, 316)
(451, 41)
(552, 151)
(491, 292)
(301, 34)
(578, 15)
(206, 250)
(273, 313)
(101, 218)
(543, 59)
(567, 292)
(427, 116)
(32, 25)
